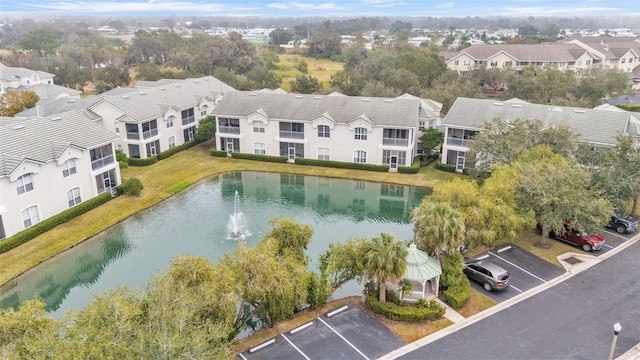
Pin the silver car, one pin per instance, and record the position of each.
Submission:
(491, 276)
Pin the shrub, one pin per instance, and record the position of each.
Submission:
(267, 158)
(176, 149)
(143, 162)
(431, 311)
(123, 160)
(413, 169)
(48, 224)
(342, 165)
(217, 153)
(445, 167)
(456, 296)
(132, 186)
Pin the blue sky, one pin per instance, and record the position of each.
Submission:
(350, 8)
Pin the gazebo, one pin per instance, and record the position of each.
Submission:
(422, 269)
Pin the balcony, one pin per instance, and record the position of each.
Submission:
(229, 130)
(150, 133)
(459, 142)
(292, 134)
(133, 135)
(395, 141)
(188, 120)
(100, 162)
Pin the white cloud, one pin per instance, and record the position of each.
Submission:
(445, 5)
(130, 6)
(551, 11)
(281, 6)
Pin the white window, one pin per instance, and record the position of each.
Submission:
(630, 60)
(25, 184)
(73, 197)
(69, 167)
(508, 63)
(324, 153)
(170, 121)
(588, 62)
(467, 62)
(203, 111)
(622, 61)
(258, 127)
(361, 134)
(494, 63)
(172, 141)
(116, 125)
(360, 156)
(30, 216)
(259, 148)
(579, 63)
(455, 62)
(324, 131)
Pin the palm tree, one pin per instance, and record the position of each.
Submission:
(385, 259)
(406, 287)
(436, 226)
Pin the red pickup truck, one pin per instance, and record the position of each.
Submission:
(576, 237)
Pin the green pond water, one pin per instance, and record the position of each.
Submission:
(198, 222)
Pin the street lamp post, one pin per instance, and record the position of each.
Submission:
(616, 330)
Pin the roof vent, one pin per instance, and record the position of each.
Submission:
(253, 94)
(299, 96)
(176, 85)
(317, 97)
(578, 111)
(125, 96)
(195, 81)
(162, 88)
(388, 100)
(56, 118)
(71, 100)
(516, 105)
(365, 100)
(17, 126)
(142, 92)
(498, 104)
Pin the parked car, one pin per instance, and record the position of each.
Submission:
(576, 237)
(623, 224)
(490, 275)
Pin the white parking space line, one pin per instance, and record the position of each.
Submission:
(607, 245)
(345, 340)
(242, 356)
(295, 347)
(512, 264)
(613, 233)
(518, 290)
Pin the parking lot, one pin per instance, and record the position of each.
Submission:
(345, 333)
(611, 240)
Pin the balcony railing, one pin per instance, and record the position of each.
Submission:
(150, 133)
(229, 129)
(131, 135)
(98, 163)
(395, 141)
(188, 120)
(458, 142)
(291, 134)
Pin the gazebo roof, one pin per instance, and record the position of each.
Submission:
(420, 266)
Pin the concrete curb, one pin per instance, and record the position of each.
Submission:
(587, 261)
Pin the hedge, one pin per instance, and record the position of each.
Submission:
(50, 223)
(431, 311)
(413, 169)
(176, 149)
(143, 162)
(217, 153)
(456, 296)
(445, 167)
(342, 165)
(267, 158)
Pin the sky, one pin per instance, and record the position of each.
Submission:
(327, 8)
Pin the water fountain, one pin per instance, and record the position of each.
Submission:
(236, 227)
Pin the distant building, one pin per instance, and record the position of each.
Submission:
(14, 78)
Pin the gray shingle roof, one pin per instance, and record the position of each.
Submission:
(43, 139)
(13, 73)
(381, 111)
(58, 106)
(525, 52)
(593, 126)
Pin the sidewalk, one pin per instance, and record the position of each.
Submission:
(574, 263)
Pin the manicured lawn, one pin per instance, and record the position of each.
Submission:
(164, 179)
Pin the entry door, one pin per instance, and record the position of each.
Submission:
(460, 163)
(152, 149)
(229, 147)
(107, 181)
(393, 162)
(292, 153)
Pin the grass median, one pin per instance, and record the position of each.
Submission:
(164, 179)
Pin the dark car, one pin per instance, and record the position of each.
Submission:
(623, 224)
(491, 276)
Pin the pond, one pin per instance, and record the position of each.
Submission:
(199, 222)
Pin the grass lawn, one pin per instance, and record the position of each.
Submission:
(164, 179)
(322, 69)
